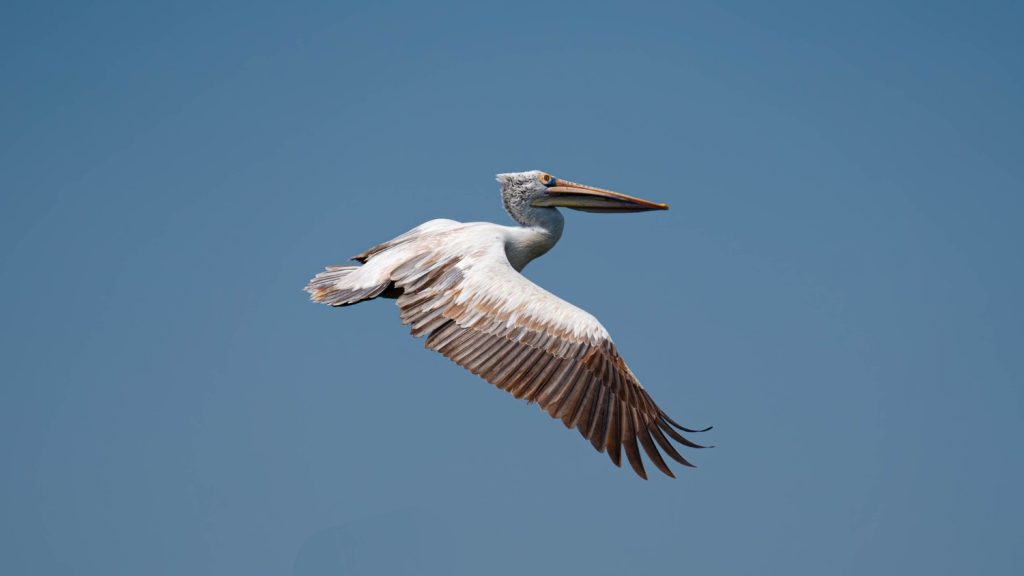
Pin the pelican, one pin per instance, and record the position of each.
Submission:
(460, 286)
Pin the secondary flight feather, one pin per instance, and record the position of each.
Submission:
(460, 286)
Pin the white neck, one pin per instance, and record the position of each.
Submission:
(541, 228)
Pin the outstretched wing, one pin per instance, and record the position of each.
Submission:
(481, 313)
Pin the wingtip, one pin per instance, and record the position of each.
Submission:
(680, 426)
(615, 457)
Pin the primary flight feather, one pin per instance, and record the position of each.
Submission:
(459, 285)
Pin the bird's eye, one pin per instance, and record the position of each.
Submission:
(547, 180)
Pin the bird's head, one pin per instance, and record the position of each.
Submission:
(540, 189)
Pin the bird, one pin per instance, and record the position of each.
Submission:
(460, 285)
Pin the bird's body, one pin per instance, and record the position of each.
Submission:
(459, 285)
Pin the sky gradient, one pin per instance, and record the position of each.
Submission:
(836, 287)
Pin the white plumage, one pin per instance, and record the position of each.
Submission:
(459, 285)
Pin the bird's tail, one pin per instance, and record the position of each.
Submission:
(338, 286)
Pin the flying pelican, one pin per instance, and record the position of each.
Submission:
(460, 285)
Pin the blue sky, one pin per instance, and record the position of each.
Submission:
(836, 288)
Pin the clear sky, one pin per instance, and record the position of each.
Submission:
(837, 287)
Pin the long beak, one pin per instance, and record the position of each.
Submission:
(590, 199)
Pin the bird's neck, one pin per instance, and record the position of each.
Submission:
(541, 228)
